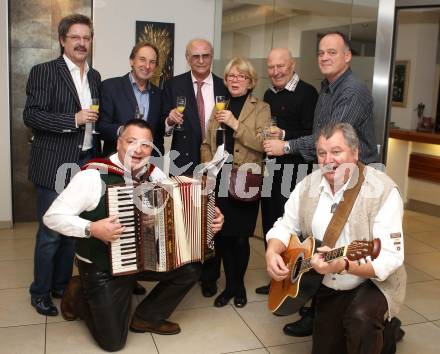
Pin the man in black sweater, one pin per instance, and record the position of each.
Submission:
(292, 103)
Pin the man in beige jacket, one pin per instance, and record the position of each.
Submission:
(354, 298)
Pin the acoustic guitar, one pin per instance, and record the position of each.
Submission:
(288, 295)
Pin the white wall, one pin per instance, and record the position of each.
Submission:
(115, 24)
(5, 155)
(417, 42)
(398, 163)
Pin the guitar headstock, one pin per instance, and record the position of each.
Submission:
(361, 249)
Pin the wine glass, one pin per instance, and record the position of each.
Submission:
(94, 107)
(138, 114)
(267, 134)
(180, 105)
(220, 104)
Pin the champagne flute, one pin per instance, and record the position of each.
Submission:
(220, 104)
(180, 104)
(94, 107)
(138, 114)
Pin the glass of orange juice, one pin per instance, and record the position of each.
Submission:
(220, 104)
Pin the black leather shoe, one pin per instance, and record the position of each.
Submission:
(399, 334)
(139, 289)
(44, 305)
(240, 301)
(209, 289)
(223, 299)
(57, 294)
(300, 328)
(304, 311)
(263, 290)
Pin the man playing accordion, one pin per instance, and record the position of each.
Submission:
(103, 301)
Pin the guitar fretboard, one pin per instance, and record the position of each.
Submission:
(328, 257)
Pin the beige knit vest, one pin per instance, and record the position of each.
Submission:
(375, 190)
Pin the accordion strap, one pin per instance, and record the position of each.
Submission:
(105, 165)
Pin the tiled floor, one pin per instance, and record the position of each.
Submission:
(205, 329)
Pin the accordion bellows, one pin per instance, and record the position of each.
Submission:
(167, 225)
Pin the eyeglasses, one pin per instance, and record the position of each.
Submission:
(238, 77)
(77, 38)
(204, 57)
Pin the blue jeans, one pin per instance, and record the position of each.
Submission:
(53, 258)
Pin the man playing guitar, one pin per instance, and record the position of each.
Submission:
(355, 297)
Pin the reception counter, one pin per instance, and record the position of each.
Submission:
(413, 135)
(413, 162)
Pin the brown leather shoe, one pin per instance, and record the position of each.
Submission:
(166, 327)
(68, 300)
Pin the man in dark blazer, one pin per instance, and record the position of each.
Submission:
(59, 95)
(197, 85)
(132, 96)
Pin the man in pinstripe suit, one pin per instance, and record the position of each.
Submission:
(59, 95)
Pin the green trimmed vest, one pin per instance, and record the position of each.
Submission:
(91, 248)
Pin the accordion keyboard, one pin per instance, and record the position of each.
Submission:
(124, 258)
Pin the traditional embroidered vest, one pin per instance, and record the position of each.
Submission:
(374, 192)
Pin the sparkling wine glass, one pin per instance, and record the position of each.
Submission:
(94, 107)
(221, 103)
(138, 114)
(267, 134)
(180, 105)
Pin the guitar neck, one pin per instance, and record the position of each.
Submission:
(329, 256)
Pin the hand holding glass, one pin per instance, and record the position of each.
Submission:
(180, 105)
(94, 107)
(268, 134)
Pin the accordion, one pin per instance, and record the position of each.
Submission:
(167, 225)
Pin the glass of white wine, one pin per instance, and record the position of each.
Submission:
(94, 107)
(220, 105)
(180, 105)
(267, 134)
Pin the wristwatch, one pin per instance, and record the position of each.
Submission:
(87, 231)
(286, 147)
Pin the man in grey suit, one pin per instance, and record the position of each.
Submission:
(59, 96)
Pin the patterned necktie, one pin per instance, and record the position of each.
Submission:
(201, 107)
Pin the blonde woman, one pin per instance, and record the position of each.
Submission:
(243, 121)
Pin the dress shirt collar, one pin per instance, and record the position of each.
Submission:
(324, 186)
(207, 81)
(135, 85)
(290, 86)
(115, 159)
(72, 66)
(331, 87)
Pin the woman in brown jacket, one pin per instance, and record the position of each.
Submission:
(243, 122)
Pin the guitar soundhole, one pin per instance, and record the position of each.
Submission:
(296, 269)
